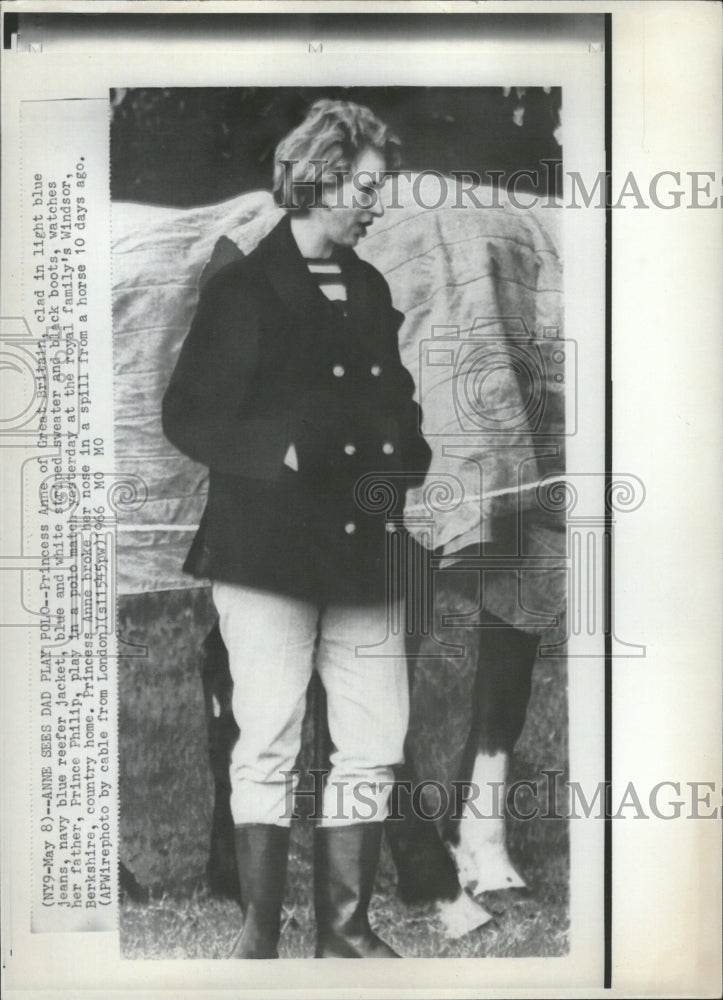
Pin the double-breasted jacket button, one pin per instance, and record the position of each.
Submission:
(339, 371)
(388, 448)
(350, 449)
(350, 527)
(376, 370)
(390, 526)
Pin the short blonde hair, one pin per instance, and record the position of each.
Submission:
(324, 146)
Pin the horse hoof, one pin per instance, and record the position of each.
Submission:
(487, 869)
(461, 915)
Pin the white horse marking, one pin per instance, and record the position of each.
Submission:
(481, 857)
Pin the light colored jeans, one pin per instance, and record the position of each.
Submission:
(270, 640)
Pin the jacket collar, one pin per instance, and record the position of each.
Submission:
(289, 274)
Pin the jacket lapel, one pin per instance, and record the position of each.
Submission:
(356, 287)
(289, 275)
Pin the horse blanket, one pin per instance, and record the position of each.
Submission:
(481, 289)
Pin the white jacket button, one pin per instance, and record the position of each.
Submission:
(350, 527)
(350, 449)
(339, 371)
(376, 370)
(388, 448)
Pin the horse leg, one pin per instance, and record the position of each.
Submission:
(476, 834)
(222, 732)
(425, 870)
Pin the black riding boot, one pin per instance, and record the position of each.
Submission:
(345, 865)
(261, 853)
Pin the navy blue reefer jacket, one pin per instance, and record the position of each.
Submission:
(269, 362)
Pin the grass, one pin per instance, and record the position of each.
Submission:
(167, 796)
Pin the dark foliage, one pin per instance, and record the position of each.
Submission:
(185, 147)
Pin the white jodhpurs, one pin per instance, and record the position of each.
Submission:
(270, 640)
